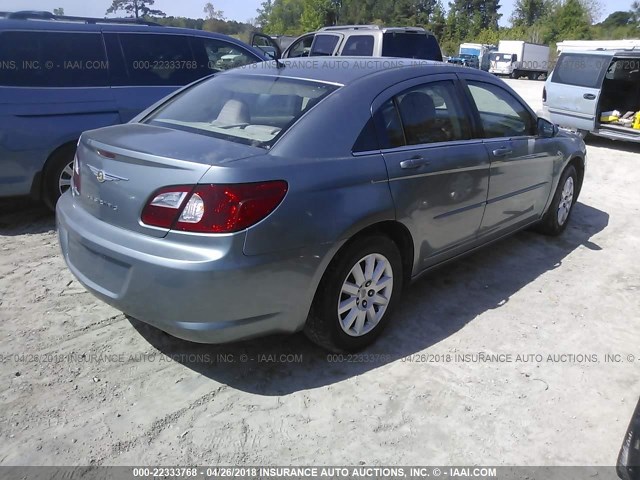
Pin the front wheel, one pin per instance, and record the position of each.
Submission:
(557, 217)
(356, 295)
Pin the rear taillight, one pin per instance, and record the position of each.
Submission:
(213, 208)
(75, 181)
(544, 94)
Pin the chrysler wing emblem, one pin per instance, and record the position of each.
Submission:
(103, 176)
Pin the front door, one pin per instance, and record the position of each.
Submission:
(438, 176)
(522, 163)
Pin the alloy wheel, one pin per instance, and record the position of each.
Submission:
(566, 201)
(64, 180)
(365, 295)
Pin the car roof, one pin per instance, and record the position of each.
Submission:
(615, 53)
(7, 24)
(343, 70)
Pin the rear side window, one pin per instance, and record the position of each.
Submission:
(424, 114)
(324, 45)
(155, 59)
(580, 70)
(52, 59)
(358, 46)
(411, 45)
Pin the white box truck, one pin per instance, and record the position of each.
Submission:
(479, 50)
(516, 59)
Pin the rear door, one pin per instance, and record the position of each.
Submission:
(53, 86)
(438, 176)
(574, 88)
(146, 67)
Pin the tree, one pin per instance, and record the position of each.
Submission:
(527, 12)
(316, 14)
(264, 12)
(635, 12)
(135, 8)
(213, 14)
(569, 21)
(58, 11)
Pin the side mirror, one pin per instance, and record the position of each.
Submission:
(546, 129)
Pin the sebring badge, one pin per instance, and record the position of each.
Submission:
(103, 176)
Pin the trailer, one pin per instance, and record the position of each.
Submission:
(516, 58)
(480, 50)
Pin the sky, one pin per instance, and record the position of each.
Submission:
(240, 10)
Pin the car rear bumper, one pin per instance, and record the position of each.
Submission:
(199, 288)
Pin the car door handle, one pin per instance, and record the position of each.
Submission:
(589, 96)
(414, 162)
(502, 152)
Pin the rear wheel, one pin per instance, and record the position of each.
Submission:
(557, 217)
(57, 175)
(356, 295)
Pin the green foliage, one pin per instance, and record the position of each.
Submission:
(135, 8)
(58, 11)
(211, 13)
(316, 14)
(527, 12)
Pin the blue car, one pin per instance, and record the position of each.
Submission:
(60, 76)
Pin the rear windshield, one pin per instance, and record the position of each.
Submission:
(580, 69)
(249, 109)
(411, 45)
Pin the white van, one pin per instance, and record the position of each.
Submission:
(584, 85)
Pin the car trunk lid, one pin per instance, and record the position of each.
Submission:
(122, 166)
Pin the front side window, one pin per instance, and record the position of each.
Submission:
(248, 109)
(501, 114)
(301, 48)
(52, 59)
(428, 113)
(324, 45)
(358, 46)
(217, 55)
(579, 69)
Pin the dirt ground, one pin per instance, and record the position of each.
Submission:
(498, 359)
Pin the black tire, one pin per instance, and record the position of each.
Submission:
(515, 74)
(323, 324)
(550, 224)
(53, 170)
